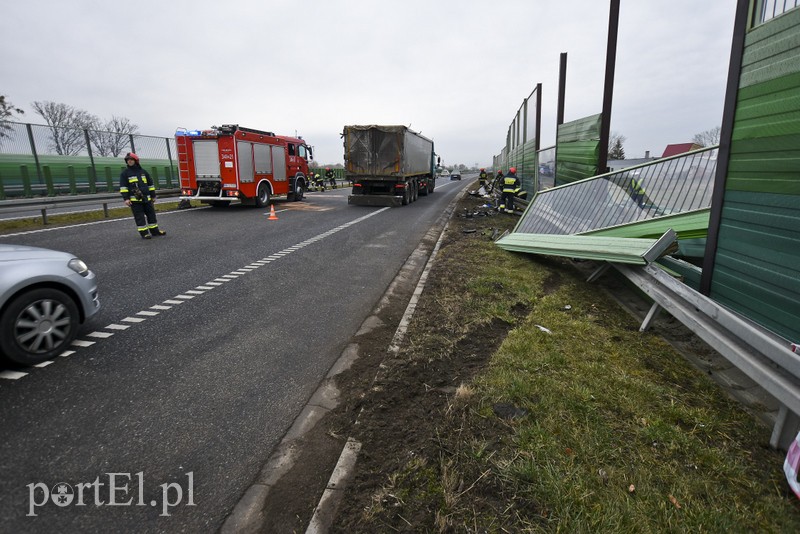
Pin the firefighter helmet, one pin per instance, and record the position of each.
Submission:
(131, 155)
(512, 170)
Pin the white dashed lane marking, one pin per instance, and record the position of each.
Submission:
(100, 335)
(191, 293)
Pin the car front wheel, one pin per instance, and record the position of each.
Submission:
(38, 325)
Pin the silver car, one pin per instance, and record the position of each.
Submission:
(44, 296)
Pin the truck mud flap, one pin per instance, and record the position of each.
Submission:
(374, 200)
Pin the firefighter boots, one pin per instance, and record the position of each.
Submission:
(157, 232)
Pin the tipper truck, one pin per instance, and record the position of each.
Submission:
(388, 165)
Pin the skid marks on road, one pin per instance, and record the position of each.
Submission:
(91, 338)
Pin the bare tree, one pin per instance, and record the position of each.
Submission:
(66, 126)
(112, 137)
(7, 111)
(707, 138)
(615, 148)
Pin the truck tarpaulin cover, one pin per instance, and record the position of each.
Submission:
(386, 151)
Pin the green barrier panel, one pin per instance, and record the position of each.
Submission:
(73, 187)
(92, 177)
(48, 180)
(168, 176)
(109, 179)
(26, 181)
(2, 190)
(154, 175)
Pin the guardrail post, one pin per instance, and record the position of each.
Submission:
(26, 181)
(92, 177)
(73, 188)
(48, 179)
(109, 179)
(105, 210)
(44, 215)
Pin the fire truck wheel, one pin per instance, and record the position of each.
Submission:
(299, 190)
(262, 195)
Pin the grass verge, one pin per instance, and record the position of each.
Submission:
(577, 422)
(33, 223)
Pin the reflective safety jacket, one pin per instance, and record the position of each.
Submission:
(636, 187)
(329, 174)
(136, 185)
(510, 183)
(482, 176)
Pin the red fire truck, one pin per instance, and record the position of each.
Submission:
(230, 162)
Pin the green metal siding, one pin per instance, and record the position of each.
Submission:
(578, 149)
(758, 252)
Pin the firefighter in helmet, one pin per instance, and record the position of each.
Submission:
(319, 181)
(139, 192)
(331, 176)
(510, 188)
(482, 178)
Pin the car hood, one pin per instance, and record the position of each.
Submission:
(21, 252)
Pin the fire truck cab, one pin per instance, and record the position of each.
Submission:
(229, 162)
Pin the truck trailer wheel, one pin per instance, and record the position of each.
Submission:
(262, 195)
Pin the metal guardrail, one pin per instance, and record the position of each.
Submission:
(45, 203)
(766, 358)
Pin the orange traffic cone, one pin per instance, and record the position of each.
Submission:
(272, 216)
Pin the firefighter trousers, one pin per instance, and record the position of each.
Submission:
(145, 216)
(507, 200)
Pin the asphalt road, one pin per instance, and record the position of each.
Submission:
(209, 343)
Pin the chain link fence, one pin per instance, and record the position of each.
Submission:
(40, 160)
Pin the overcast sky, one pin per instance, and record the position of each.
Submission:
(456, 70)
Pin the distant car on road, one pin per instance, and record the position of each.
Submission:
(44, 297)
(455, 175)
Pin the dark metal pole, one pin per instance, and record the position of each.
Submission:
(133, 147)
(740, 25)
(89, 149)
(524, 121)
(35, 155)
(608, 93)
(538, 115)
(562, 89)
